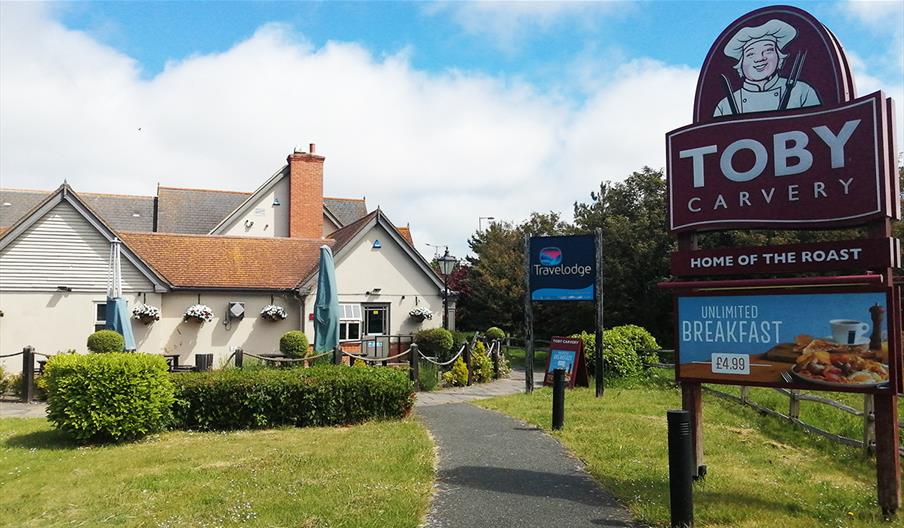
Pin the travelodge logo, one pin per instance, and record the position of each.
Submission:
(550, 256)
(551, 264)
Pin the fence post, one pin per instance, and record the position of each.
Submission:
(413, 366)
(745, 394)
(337, 355)
(869, 425)
(239, 357)
(467, 355)
(794, 405)
(497, 347)
(28, 373)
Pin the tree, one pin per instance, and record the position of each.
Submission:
(636, 250)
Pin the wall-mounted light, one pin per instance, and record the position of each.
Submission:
(249, 223)
(64, 288)
(275, 201)
(373, 291)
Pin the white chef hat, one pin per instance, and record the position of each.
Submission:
(775, 30)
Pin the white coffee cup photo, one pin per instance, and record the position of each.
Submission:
(849, 331)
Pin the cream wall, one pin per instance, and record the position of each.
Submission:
(403, 285)
(54, 322)
(266, 219)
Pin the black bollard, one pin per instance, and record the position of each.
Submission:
(28, 374)
(558, 398)
(681, 471)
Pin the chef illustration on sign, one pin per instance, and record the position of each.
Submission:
(758, 51)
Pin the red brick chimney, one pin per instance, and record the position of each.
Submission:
(305, 194)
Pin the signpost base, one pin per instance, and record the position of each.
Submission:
(888, 463)
(692, 402)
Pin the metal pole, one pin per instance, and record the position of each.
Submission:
(681, 496)
(598, 370)
(558, 398)
(528, 322)
(28, 374)
(446, 302)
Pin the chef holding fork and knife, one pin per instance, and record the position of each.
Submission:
(760, 55)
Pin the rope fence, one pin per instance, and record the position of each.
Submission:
(11, 355)
(287, 360)
(447, 363)
(376, 359)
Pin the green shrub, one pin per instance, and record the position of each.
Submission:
(504, 367)
(4, 381)
(428, 375)
(106, 341)
(104, 397)
(318, 396)
(627, 348)
(481, 364)
(458, 376)
(294, 344)
(494, 332)
(435, 342)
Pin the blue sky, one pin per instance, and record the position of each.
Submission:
(436, 40)
(439, 112)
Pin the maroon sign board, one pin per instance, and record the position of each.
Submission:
(567, 353)
(866, 254)
(779, 140)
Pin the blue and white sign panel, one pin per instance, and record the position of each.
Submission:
(562, 268)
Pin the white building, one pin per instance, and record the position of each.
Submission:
(189, 246)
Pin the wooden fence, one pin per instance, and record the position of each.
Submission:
(867, 442)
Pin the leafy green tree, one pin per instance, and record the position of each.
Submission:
(636, 250)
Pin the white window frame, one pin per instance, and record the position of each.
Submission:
(100, 324)
(351, 314)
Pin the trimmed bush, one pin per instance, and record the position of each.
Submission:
(481, 364)
(104, 341)
(108, 397)
(494, 332)
(627, 348)
(318, 396)
(434, 342)
(294, 344)
(4, 381)
(458, 376)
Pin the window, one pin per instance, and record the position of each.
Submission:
(376, 319)
(349, 322)
(100, 315)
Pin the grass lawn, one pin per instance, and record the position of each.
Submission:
(378, 474)
(516, 355)
(762, 472)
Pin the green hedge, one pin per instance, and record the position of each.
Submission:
(627, 348)
(106, 341)
(317, 396)
(108, 397)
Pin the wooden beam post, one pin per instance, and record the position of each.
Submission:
(888, 463)
(692, 402)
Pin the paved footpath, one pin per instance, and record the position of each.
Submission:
(496, 471)
(15, 409)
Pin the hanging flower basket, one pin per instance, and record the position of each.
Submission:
(420, 314)
(199, 313)
(272, 312)
(146, 313)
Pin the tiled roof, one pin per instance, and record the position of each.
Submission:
(118, 211)
(346, 234)
(194, 211)
(346, 210)
(406, 234)
(207, 261)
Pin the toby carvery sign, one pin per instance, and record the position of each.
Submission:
(562, 268)
(778, 138)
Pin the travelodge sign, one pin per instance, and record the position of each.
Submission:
(779, 139)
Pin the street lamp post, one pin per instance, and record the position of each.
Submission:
(481, 219)
(446, 265)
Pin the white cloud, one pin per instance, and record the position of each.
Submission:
(884, 18)
(435, 150)
(508, 23)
